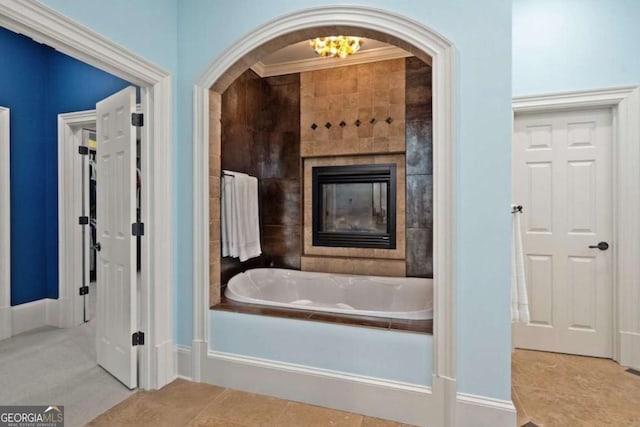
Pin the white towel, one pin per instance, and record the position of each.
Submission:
(227, 205)
(247, 217)
(519, 298)
(239, 216)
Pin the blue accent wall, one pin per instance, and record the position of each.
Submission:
(37, 83)
(23, 89)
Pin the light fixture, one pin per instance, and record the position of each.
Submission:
(341, 46)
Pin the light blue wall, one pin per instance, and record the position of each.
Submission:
(398, 356)
(481, 32)
(575, 44)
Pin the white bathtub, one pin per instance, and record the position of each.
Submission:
(390, 297)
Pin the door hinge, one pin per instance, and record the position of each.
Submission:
(137, 119)
(137, 229)
(83, 150)
(84, 290)
(137, 338)
(83, 220)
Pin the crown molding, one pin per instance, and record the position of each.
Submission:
(320, 63)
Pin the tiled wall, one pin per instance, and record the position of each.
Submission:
(261, 136)
(265, 129)
(419, 133)
(347, 114)
(359, 109)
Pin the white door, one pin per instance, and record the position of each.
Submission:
(115, 212)
(562, 178)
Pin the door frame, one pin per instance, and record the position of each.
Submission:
(40, 22)
(70, 244)
(624, 103)
(416, 37)
(6, 321)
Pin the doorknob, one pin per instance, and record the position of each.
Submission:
(97, 246)
(603, 246)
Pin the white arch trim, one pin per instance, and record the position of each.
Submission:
(443, 392)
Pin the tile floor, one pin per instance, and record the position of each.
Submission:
(551, 389)
(184, 403)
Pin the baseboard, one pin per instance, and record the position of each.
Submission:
(165, 364)
(31, 315)
(396, 401)
(183, 362)
(630, 349)
(6, 322)
(401, 402)
(52, 314)
(480, 411)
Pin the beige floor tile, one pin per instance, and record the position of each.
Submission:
(243, 408)
(185, 395)
(377, 422)
(208, 421)
(298, 414)
(140, 411)
(565, 390)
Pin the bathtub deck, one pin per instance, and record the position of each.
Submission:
(415, 326)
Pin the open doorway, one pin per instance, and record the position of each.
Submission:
(32, 312)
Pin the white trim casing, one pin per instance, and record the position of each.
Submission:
(442, 53)
(480, 411)
(625, 105)
(69, 208)
(5, 225)
(45, 25)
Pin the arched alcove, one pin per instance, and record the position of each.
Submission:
(377, 24)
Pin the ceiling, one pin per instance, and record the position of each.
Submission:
(301, 57)
(303, 50)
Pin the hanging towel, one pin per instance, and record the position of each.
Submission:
(239, 216)
(227, 213)
(519, 298)
(248, 217)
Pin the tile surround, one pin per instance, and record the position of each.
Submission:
(309, 249)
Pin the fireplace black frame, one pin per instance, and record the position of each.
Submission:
(381, 173)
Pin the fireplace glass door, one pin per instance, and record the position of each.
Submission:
(354, 206)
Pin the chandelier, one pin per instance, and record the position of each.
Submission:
(341, 46)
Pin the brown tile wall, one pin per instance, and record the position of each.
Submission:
(419, 132)
(267, 131)
(346, 94)
(260, 135)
